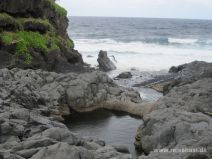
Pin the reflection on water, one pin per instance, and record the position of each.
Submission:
(114, 128)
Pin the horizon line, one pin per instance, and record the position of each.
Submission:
(138, 17)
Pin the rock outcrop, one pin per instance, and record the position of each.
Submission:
(189, 73)
(178, 76)
(105, 64)
(181, 119)
(32, 106)
(33, 35)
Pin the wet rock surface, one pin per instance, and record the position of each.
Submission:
(157, 82)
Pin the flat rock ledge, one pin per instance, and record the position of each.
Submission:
(32, 106)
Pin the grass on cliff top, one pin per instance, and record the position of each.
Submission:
(21, 23)
(60, 10)
(27, 41)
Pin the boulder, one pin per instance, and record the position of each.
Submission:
(89, 56)
(96, 90)
(124, 75)
(105, 64)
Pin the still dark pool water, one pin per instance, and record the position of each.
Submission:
(114, 128)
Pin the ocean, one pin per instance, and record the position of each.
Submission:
(142, 43)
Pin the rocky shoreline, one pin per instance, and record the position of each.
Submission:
(43, 79)
(182, 118)
(33, 103)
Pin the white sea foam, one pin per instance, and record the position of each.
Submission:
(182, 41)
(145, 57)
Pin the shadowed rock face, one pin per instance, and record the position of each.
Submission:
(36, 9)
(56, 61)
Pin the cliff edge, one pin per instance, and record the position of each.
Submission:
(33, 35)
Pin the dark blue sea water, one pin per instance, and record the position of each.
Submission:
(151, 31)
(150, 44)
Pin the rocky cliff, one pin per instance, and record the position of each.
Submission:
(33, 35)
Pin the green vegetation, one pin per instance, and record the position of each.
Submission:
(26, 41)
(32, 34)
(66, 42)
(60, 10)
(6, 39)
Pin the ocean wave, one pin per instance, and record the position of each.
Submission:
(182, 41)
(136, 47)
(139, 54)
(197, 43)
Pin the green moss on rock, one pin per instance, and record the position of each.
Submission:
(27, 41)
(26, 35)
(57, 8)
(6, 39)
(68, 43)
(32, 24)
(10, 23)
(7, 22)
